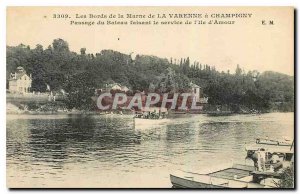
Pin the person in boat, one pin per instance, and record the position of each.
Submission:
(261, 160)
(145, 115)
(258, 158)
(153, 115)
(271, 168)
(275, 158)
(257, 140)
(266, 161)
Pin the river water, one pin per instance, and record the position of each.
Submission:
(108, 151)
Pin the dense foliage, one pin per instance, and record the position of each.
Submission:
(80, 74)
(287, 178)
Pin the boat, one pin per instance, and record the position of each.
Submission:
(269, 162)
(282, 153)
(149, 118)
(284, 142)
(234, 176)
(144, 121)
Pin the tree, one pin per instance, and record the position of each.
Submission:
(57, 65)
(82, 51)
(59, 45)
(80, 89)
(287, 178)
(238, 70)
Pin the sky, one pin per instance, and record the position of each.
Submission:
(248, 43)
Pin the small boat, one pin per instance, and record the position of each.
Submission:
(143, 121)
(235, 176)
(149, 118)
(267, 141)
(282, 153)
(269, 161)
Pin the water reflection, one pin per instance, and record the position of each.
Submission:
(93, 147)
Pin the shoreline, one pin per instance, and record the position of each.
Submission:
(12, 109)
(102, 113)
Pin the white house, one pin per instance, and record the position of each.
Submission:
(124, 89)
(196, 94)
(20, 82)
(116, 86)
(195, 91)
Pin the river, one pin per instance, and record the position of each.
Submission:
(106, 151)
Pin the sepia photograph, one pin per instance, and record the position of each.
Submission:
(150, 97)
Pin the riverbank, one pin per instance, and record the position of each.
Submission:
(12, 109)
(44, 107)
(54, 109)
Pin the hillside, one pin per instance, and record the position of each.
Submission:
(63, 69)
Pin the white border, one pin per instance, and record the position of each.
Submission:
(5, 3)
(149, 3)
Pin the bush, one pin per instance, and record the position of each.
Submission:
(286, 178)
(33, 105)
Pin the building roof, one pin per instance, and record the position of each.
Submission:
(18, 74)
(113, 84)
(122, 87)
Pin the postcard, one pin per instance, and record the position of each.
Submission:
(150, 97)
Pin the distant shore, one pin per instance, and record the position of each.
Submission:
(18, 107)
(82, 112)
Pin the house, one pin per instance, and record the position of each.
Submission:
(116, 86)
(20, 82)
(195, 91)
(196, 94)
(124, 89)
(112, 86)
